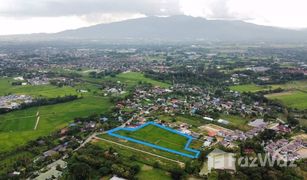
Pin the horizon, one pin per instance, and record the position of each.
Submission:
(298, 29)
(51, 16)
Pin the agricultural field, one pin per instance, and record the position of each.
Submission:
(35, 91)
(158, 136)
(17, 127)
(294, 99)
(237, 121)
(249, 88)
(146, 148)
(293, 85)
(129, 78)
(133, 78)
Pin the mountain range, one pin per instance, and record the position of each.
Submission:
(176, 28)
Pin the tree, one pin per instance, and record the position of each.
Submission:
(292, 121)
(80, 171)
(213, 175)
(177, 174)
(135, 169)
(104, 171)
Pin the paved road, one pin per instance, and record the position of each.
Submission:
(135, 149)
(37, 121)
(88, 140)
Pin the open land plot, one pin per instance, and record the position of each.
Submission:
(133, 78)
(150, 173)
(293, 85)
(214, 128)
(160, 137)
(146, 148)
(16, 128)
(249, 88)
(140, 157)
(36, 91)
(238, 121)
(192, 120)
(294, 99)
(300, 85)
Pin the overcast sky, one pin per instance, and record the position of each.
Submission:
(33, 16)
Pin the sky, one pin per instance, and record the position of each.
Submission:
(49, 16)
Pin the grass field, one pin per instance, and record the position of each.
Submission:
(158, 136)
(16, 128)
(147, 148)
(36, 91)
(293, 85)
(294, 99)
(249, 88)
(140, 157)
(132, 78)
(192, 120)
(294, 95)
(238, 121)
(150, 173)
(300, 85)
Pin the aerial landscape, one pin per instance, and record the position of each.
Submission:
(153, 90)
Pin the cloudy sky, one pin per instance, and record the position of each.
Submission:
(34, 16)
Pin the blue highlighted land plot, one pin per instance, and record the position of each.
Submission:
(159, 137)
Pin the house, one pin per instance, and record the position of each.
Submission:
(49, 153)
(219, 159)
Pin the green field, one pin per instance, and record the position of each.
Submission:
(294, 99)
(158, 136)
(237, 121)
(293, 85)
(249, 88)
(299, 85)
(140, 156)
(150, 173)
(16, 128)
(132, 78)
(36, 91)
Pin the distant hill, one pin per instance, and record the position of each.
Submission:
(180, 28)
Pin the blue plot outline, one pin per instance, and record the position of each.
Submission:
(190, 138)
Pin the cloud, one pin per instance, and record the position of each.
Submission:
(282, 13)
(53, 8)
(57, 15)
